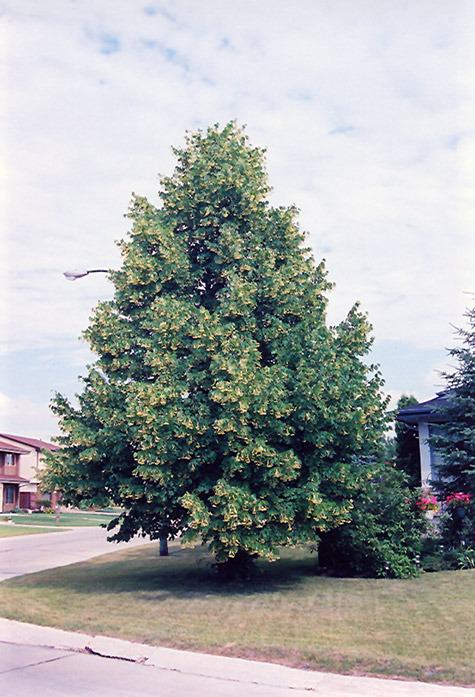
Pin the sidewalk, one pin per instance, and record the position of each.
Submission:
(233, 670)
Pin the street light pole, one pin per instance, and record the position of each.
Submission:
(74, 275)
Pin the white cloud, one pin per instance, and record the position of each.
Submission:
(23, 416)
(366, 110)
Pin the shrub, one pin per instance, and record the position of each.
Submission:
(465, 557)
(43, 503)
(433, 557)
(384, 536)
(457, 533)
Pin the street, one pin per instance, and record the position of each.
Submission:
(30, 553)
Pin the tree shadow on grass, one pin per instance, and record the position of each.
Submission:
(184, 573)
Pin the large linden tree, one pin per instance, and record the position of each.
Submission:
(221, 406)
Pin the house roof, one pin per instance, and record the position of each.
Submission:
(32, 442)
(424, 411)
(13, 479)
(9, 448)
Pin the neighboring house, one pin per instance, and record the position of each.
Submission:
(425, 418)
(10, 479)
(20, 458)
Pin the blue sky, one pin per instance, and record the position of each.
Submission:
(366, 108)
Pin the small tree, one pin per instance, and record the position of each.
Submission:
(407, 446)
(221, 405)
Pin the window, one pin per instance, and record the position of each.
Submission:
(10, 459)
(9, 492)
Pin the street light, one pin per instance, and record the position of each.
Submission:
(74, 275)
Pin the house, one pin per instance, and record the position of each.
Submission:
(10, 479)
(20, 459)
(426, 419)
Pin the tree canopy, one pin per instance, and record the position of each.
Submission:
(221, 405)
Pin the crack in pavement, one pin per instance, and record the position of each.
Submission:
(34, 665)
(92, 652)
(183, 671)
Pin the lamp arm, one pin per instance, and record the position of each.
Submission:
(74, 275)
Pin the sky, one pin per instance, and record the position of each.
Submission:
(367, 111)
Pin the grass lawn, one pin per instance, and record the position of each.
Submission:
(15, 530)
(417, 628)
(67, 519)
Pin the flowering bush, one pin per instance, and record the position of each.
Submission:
(458, 500)
(428, 503)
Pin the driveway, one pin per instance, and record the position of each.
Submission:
(29, 553)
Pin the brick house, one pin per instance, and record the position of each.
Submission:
(20, 459)
(10, 479)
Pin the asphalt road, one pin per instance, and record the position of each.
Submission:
(29, 553)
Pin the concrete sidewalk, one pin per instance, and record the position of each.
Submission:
(233, 670)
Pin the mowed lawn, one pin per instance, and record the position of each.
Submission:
(417, 628)
(8, 530)
(14, 524)
(66, 519)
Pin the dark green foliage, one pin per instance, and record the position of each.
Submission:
(221, 406)
(384, 536)
(388, 448)
(433, 554)
(464, 557)
(452, 545)
(457, 527)
(455, 441)
(43, 502)
(407, 446)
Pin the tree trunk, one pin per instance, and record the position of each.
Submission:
(163, 547)
(237, 568)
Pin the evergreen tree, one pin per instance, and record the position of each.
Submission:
(455, 440)
(221, 406)
(407, 446)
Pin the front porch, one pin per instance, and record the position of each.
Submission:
(10, 491)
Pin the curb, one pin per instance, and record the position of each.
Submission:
(222, 667)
